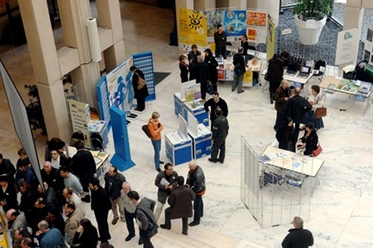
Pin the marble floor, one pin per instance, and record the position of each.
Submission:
(340, 208)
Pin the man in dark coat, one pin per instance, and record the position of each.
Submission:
(100, 205)
(84, 166)
(220, 39)
(276, 71)
(144, 218)
(196, 181)
(295, 109)
(298, 237)
(113, 187)
(202, 75)
(7, 169)
(8, 195)
(192, 58)
(219, 134)
(282, 94)
(140, 94)
(181, 206)
(239, 70)
(52, 177)
(214, 102)
(164, 191)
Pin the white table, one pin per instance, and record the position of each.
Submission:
(295, 162)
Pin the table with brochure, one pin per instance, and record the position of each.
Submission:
(359, 90)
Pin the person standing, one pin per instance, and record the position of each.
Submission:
(282, 94)
(284, 134)
(144, 218)
(219, 134)
(201, 70)
(86, 235)
(239, 70)
(155, 128)
(129, 210)
(275, 72)
(196, 181)
(295, 109)
(7, 169)
(317, 101)
(113, 187)
(184, 68)
(220, 39)
(166, 181)
(298, 237)
(74, 215)
(192, 58)
(100, 205)
(140, 94)
(84, 166)
(180, 202)
(245, 45)
(49, 237)
(70, 180)
(212, 63)
(214, 102)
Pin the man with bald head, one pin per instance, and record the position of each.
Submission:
(196, 181)
(15, 220)
(298, 237)
(295, 108)
(282, 94)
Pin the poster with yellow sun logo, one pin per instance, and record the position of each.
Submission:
(192, 28)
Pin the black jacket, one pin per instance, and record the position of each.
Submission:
(211, 105)
(296, 107)
(7, 168)
(211, 61)
(275, 69)
(238, 58)
(84, 164)
(143, 92)
(113, 190)
(311, 142)
(220, 129)
(87, 239)
(196, 180)
(298, 238)
(100, 201)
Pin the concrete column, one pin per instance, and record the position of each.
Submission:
(204, 5)
(45, 64)
(109, 17)
(238, 4)
(222, 4)
(74, 15)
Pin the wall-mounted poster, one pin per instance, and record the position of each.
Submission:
(256, 22)
(235, 22)
(192, 29)
(213, 19)
(255, 18)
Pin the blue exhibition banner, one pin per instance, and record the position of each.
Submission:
(144, 61)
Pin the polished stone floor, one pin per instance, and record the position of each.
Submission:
(340, 208)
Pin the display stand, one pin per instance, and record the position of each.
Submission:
(197, 109)
(201, 138)
(179, 144)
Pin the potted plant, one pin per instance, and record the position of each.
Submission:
(310, 18)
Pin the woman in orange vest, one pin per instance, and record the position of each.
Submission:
(155, 128)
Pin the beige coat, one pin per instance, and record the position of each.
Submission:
(72, 224)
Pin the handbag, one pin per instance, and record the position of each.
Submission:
(146, 130)
(141, 82)
(316, 152)
(320, 112)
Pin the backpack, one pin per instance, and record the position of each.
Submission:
(146, 130)
(238, 69)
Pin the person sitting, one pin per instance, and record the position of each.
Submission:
(309, 140)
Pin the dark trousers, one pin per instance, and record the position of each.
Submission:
(198, 208)
(129, 222)
(167, 220)
(272, 88)
(279, 119)
(103, 227)
(141, 102)
(215, 150)
(221, 51)
(295, 137)
(145, 238)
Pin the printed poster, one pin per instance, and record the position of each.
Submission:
(192, 29)
(270, 39)
(235, 22)
(119, 82)
(214, 18)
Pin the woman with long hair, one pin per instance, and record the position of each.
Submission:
(86, 235)
(211, 61)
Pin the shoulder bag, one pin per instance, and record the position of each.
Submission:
(318, 150)
(145, 129)
(141, 82)
(320, 112)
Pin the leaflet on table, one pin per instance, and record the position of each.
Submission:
(194, 104)
(193, 92)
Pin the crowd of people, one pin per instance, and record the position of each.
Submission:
(52, 213)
